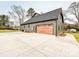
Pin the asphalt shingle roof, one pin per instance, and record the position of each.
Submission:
(52, 15)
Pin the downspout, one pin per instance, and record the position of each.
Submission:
(56, 28)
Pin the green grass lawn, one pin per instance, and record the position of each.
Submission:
(76, 35)
(3, 31)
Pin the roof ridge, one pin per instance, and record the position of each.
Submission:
(50, 11)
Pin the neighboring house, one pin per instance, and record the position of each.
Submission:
(47, 23)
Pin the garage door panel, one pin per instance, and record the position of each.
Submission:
(45, 29)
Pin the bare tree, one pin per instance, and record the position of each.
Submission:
(74, 9)
(12, 15)
(18, 12)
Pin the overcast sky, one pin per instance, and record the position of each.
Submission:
(39, 6)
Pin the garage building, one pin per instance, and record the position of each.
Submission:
(47, 23)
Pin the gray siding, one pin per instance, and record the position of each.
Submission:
(59, 24)
(32, 27)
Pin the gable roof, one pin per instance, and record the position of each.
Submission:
(52, 15)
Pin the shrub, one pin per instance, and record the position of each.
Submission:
(62, 34)
(5, 27)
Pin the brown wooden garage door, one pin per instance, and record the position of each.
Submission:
(46, 29)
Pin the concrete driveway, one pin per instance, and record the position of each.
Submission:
(19, 44)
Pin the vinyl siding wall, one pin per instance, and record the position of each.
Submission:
(59, 24)
(32, 27)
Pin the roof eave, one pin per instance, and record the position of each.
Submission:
(40, 21)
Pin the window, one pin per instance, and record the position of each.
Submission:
(28, 26)
(24, 26)
(59, 27)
